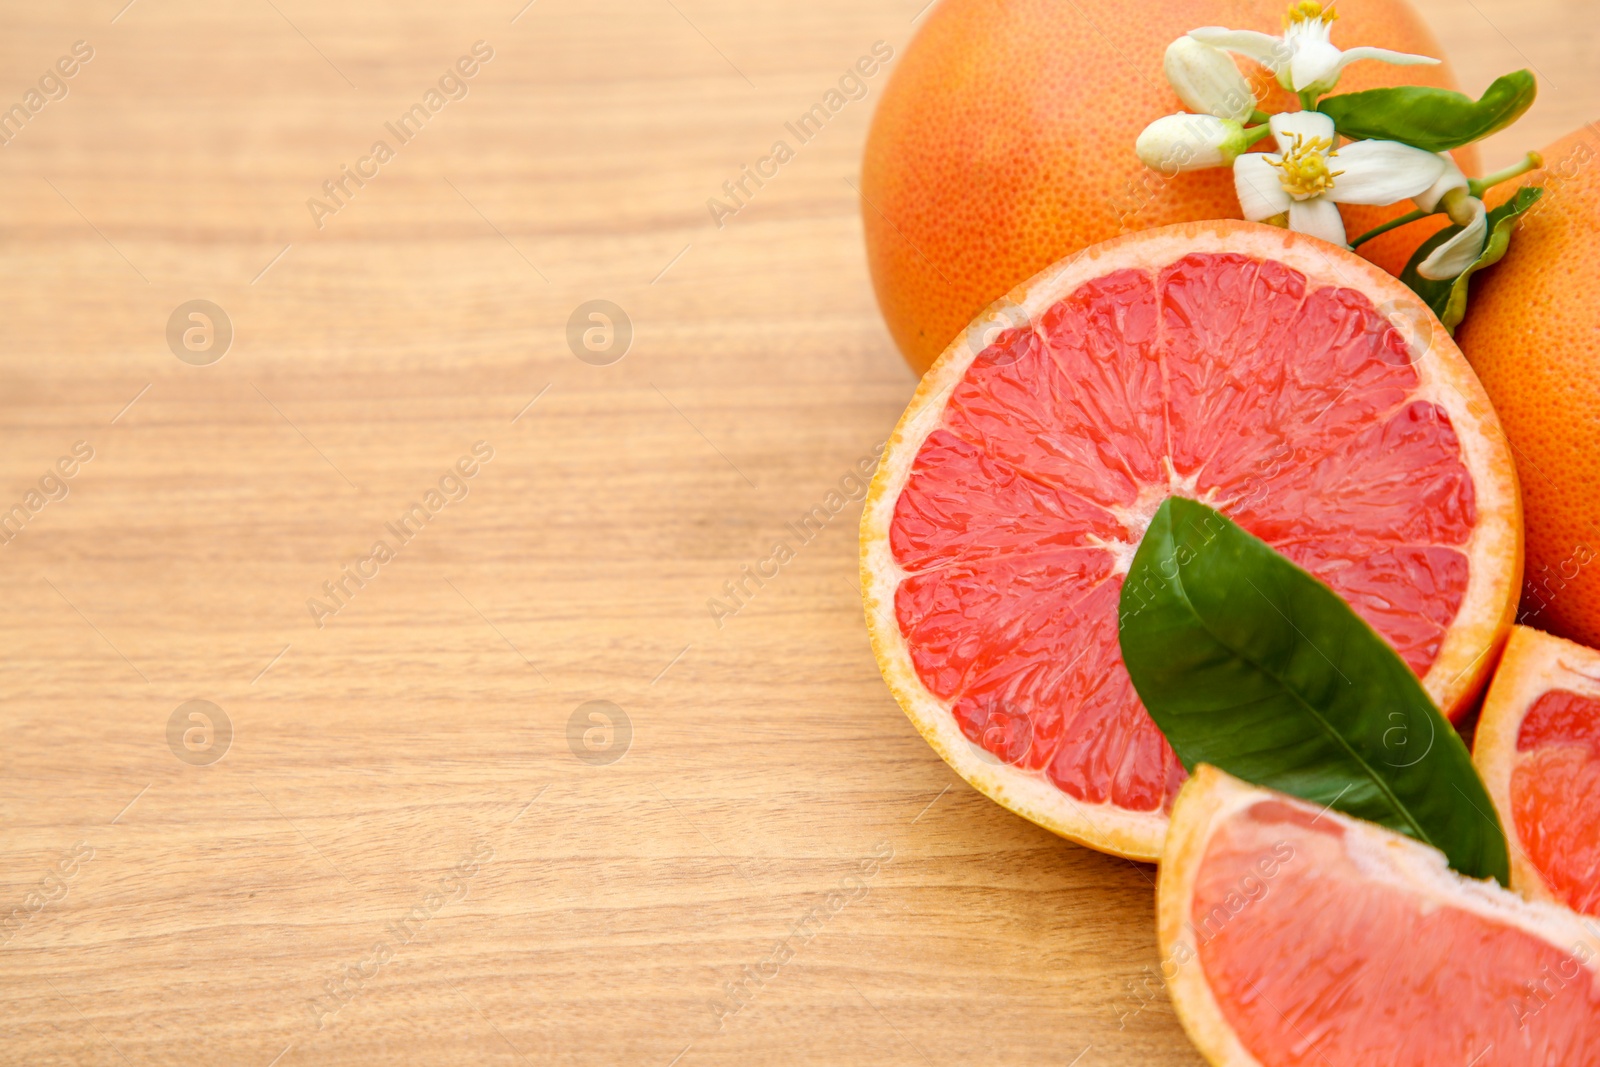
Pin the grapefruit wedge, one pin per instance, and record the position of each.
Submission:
(1247, 367)
(1293, 936)
(1538, 750)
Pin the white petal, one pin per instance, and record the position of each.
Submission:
(1382, 172)
(1309, 125)
(1314, 62)
(1461, 251)
(1399, 59)
(1255, 179)
(1452, 178)
(1207, 81)
(1264, 48)
(1318, 217)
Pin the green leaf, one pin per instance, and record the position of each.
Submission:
(1250, 664)
(1448, 298)
(1436, 120)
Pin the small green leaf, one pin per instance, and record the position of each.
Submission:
(1248, 663)
(1436, 120)
(1448, 298)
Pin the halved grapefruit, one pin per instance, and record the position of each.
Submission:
(1245, 366)
(1538, 749)
(1293, 936)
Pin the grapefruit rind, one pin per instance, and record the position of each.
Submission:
(1211, 798)
(1532, 664)
(1494, 549)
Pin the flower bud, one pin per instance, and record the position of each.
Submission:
(1207, 81)
(1190, 142)
(1463, 248)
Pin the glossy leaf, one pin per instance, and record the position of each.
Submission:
(1250, 664)
(1448, 298)
(1436, 120)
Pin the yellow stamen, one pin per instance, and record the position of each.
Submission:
(1307, 11)
(1305, 167)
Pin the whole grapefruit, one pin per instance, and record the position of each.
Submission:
(1004, 141)
(1532, 333)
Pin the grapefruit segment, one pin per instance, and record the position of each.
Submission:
(1240, 365)
(1293, 936)
(1538, 749)
(964, 504)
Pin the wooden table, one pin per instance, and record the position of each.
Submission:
(777, 869)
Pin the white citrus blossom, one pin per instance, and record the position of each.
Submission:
(1452, 195)
(1309, 175)
(1304, 58)
(1191, 142)
(1207, 81)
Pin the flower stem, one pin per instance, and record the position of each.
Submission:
(1477, 186)
(1308, 100)
(1392, 224)
(1252, 134)
(1259, 116)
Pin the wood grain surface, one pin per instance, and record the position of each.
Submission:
(408, 851)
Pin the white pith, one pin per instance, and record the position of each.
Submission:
(1135, 518)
